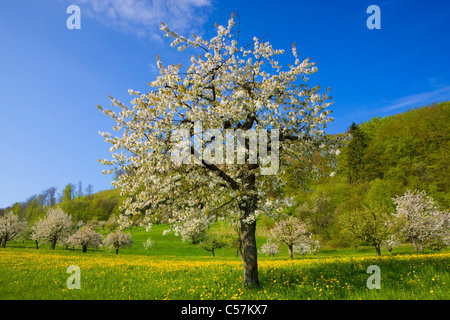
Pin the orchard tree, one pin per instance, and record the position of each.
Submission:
(117, 240)
(112, 222)
(212, 242)
(391, 243)
(306, 245)
(270, 248)
(368, 224)
(421, 220)
(148, 244)
(193, 229)
(290, 232)
(232, 91)
(372, 221)
(85, 237)
(55, 226)
(37, 235)
(10, 226)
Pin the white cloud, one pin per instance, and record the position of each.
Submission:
(143, 17)
(418, 100)
(403, 103)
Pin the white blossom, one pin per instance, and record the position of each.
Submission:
(117, 240)
(10, 226)
(84, 238)
(148, 244)
(292, 232)
(270, 248)
(225, 86)
(55, 226)
(421, 220)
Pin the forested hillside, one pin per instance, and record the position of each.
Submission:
(383, 158)
(97, 206)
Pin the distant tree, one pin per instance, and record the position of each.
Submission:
(270, 248)
(367, 225)
(421, 219)
(112, 223)
(355, 153)
(306, 245)
(391, 243)
(101, 224)
(370, 222)
(85, 237)
(51, 192)
(16, 208)
(93, 223)
(148, 244)
(10, 226)
(321, 214)
(193, 229)
(117, 240)
(67, 193)
(212, 242)
(37, 234)
(32, 208)
(55, 225)
(89, 190)
(80, 189)
(289, 232)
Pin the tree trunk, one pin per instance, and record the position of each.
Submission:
(37, 244)
(414, 244)
(420, 245)
(117, 250)
(4, 243)
(378, 249)
(53, 244)
(248, 232)
(291, 255)
(84, 248)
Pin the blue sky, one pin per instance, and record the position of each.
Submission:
(53, 78)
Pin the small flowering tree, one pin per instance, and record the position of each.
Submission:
(117, 240)
(306, 245)
(10, 226)
(56, 225)
(192, 230)
(85, 237)
(225, 87)
(148, 244)
(270, 248)
(37, 235)
(368, 224)
(391, 243)
(290, 232)
(212, 242)
(421, 219)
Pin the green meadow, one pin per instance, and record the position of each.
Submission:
(173, 269)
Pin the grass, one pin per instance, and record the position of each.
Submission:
(177, 270)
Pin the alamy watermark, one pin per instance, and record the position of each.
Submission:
(74, 20)
(214, 146)
(374, 21)
(374, 281)
(74, 280)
